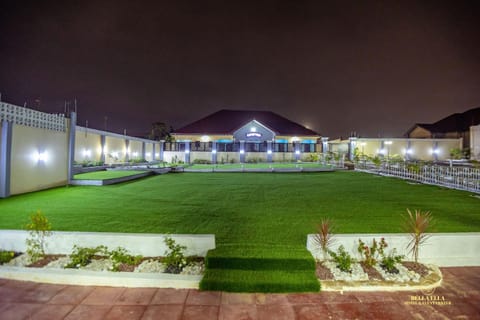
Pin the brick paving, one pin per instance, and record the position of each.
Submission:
(457, 298)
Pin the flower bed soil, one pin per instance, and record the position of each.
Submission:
(196, 267)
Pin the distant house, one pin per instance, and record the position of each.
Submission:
(456, 125)
(261, 134)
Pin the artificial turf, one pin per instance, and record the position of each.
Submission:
(260, 220)
(246, 208)
(106, 174)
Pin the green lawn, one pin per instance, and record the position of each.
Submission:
(106, 174)
(245, 208)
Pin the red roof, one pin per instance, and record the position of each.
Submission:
(228, 121)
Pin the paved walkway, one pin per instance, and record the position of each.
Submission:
(458, 298)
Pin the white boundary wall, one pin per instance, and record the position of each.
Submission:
(148, 245)
(442, 249)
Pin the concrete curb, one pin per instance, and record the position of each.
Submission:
(97, 278)
(428, 285)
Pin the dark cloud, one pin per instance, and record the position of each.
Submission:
(374, 67)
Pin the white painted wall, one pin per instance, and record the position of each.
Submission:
(148, 245)
(442, 249)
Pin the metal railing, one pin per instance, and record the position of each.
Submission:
(31, 118)
(461, 178)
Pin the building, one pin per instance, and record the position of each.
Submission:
(454, 126)
(243, 136)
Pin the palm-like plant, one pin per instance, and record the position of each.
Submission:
(324, 236)
(417, 224)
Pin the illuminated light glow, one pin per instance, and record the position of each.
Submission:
(148, 154)
(157, 154)
(363, 144)
(253, 135)
(297, 151)
(205, 138)
(388, 142)
(407, 151)
(253, 129)
(214, 151)
(104, 151)
(115, 154)
(269, 151)
(382, 151)
(187, 151)
(86, 153)
(242, 151)
(135, 154)
(40, 156)
(436, 151)
(294, 139)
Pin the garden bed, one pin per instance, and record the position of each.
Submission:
(411, 276)
(196, 265)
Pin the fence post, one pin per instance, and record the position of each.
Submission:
(5, 158)
(71, 145)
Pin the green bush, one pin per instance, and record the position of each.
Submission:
(388, 262)
(121, 256)
(6, 256)
(342, 259)
(81, 256)
(201, 161)
(371, 254)
(39, 228)
(174, 256)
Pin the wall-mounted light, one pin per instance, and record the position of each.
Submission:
(253, 129)
(297, 151)
(40, 156)
(269, 151)
(242, 151)
(408, 151)
(115, 154)
(87, 153)
(205, 138)
(382, 151)
(135, 154)
(148, 154)
(295, 139)
(157, 154)
(187, 151)
(214, 151)
(388, 142)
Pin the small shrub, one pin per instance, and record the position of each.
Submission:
(202, 161)
(342, 259)
(416, 225)
(39, 228)
(371, 254)
(121, 256)
(81, 256)
(324, 237)
(6, 256)
(388, 261)
(174, 256)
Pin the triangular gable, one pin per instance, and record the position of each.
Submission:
(254, 131)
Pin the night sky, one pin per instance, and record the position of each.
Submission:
(374, 67)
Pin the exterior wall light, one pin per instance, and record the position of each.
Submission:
(157, 154)
(205, 138)
(242, 151)
(214, 151)
(269, 151)
(253, 129)
(148, 154)
(388, 142)
(87, 153)
(436, 151)
(297, 151)
(135, 154)
(115, 154)
(187, 151)
(40, 156)
(295, 139)
(409, 151)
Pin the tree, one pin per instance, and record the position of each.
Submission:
(160, 131)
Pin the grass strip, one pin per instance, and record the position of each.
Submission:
(268, 281)
(260, 258)
(106, 174)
